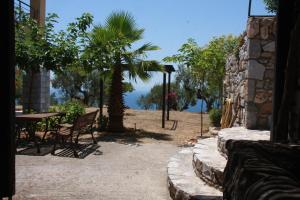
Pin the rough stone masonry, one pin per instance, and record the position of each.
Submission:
(249, 75)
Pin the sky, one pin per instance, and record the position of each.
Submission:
(167, 23)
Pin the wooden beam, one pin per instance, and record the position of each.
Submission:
(164, 100)
(168, 93)
(7, 94)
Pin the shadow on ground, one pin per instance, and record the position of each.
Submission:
(83, 149)
(131, 136)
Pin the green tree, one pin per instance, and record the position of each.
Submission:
(272, 5)
(83, 85)
(204, 66)
(40, 47)
(153, 100)
(115, 39)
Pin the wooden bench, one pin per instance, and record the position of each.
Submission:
(82, 124)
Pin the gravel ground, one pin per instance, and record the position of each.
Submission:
(113, 171)
(122, 166)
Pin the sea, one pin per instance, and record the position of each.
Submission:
(131, 98)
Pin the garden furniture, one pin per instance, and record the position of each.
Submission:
(82, 124)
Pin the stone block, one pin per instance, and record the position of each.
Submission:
(250, 90)
(255, 70)
(251, 107)
(269, 74)
(266, 108)
(262, 123)
(254, 48)
(261, 96)
(252, 27)
(270, 47)
(259, 84)
(251, 119)
(268, 85)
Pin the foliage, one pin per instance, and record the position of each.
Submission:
(40, 47)
(73, 109)
(204, 67)
(19, 84)
(83, 85)
(180, 99)
(186, 88)
(110, 50)
(53, 99)
(215, 117)
(271, 5)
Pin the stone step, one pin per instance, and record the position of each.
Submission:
(214, 130)
(239, 133)
(208, 162)
(184, 184)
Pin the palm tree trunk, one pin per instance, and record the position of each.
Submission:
(116, 102)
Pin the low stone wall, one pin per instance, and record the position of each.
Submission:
(249, 76)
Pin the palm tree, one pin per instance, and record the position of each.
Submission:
(115, 39)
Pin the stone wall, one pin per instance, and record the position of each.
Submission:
(249, 76)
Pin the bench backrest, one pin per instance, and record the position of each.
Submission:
(84, 121)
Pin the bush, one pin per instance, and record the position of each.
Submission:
(215, 116)
(73, 109)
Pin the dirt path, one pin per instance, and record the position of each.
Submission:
(146, 127)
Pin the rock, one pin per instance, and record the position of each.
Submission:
(251, 120)
(254, 48)
(269, 74)
(250, 90)
(261, 97)
(252, 28)
(266, 109)
(255, 70)
(270, 47)
(259, 84)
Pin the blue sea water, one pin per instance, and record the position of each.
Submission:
(131, 98)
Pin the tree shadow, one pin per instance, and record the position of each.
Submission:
(131, 136)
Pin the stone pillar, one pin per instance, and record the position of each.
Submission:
(249, 74)
(40, 99)
(261, 35)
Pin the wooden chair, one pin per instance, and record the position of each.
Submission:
(82, 124)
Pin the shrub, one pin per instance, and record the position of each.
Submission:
(73, 109)
(215, 116)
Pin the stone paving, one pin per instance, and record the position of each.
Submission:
(113, 171)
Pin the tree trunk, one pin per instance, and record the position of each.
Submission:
(116, 102)
(209, 105)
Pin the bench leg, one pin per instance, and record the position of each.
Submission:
(95, 142)
(73, 148)
(54, 146)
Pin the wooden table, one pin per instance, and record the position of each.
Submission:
(31, 121)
